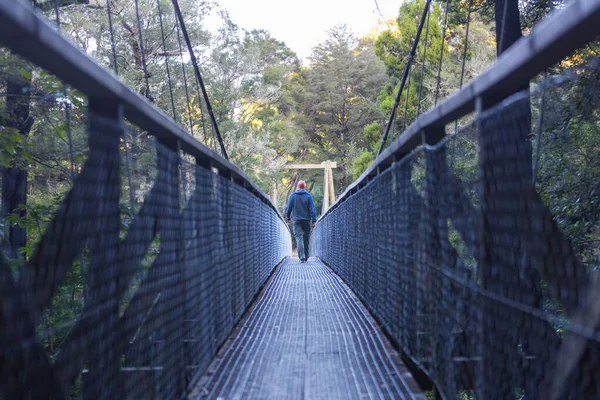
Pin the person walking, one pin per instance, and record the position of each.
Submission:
(301, 211)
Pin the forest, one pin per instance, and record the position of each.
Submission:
(272, 109)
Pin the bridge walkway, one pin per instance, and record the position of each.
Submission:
(307, 337)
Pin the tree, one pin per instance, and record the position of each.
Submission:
(17, 123)
(247, 78)
(341, 89)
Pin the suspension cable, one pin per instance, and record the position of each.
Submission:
(464, 55)
(500, 44)
(439, 74)
(198, 95)
(185, 83)
(199, 78)
(466, 44)
(124, 134)
(406, 102)
(143, 51)
(423, 65)
(462, 75)
(67, 105)
(164, 45)
(202, 118)
(538, 139)
(112, 37)
(404, 76)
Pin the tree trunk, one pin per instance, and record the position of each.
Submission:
(14, 177)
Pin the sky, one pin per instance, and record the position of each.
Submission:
(302, 24)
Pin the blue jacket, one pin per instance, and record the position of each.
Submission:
(301, 207)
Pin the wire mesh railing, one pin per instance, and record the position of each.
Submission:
(477, 251)
(134, 249)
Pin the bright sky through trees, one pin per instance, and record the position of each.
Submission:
(303, 24)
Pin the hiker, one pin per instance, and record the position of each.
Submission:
(301, 211)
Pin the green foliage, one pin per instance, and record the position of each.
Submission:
(568, 179)
(10, 140)
(373, 132)
(393, 47)
(362, 163)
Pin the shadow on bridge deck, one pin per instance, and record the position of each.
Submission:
(307, 336)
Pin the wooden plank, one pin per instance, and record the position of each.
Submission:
(331, 186)
(325, 192)
(324, 164)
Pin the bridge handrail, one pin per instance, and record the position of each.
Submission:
(555, 38)
(26, 33)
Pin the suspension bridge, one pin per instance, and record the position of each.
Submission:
(428, 276)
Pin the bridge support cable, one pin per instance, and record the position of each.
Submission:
(462, 69)
(185, 82)
(148, 93)
(203, 119)
(423, 66)
(459, 255)
(405, 119)
(464, 53)
(538, 134)
(68, 128)
(126, 141)
(439, 73)
(111, 31)
(166, 58)
(405, 75)
(199, 78)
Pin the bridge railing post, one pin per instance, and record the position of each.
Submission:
(502, 142)
(443, 259)
(406, 216)
(171, 309)
(196, 335)
(106, 127)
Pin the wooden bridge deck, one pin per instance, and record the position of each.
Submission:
(307, 337)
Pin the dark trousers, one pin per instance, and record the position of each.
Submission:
(302, 234)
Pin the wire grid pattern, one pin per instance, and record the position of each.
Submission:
(166, 277)
(481, 277)
(308, 338)
(148, 258)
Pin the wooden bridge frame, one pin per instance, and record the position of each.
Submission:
(328, 186)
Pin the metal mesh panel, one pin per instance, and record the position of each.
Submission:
(485, 280)
(138, 274)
